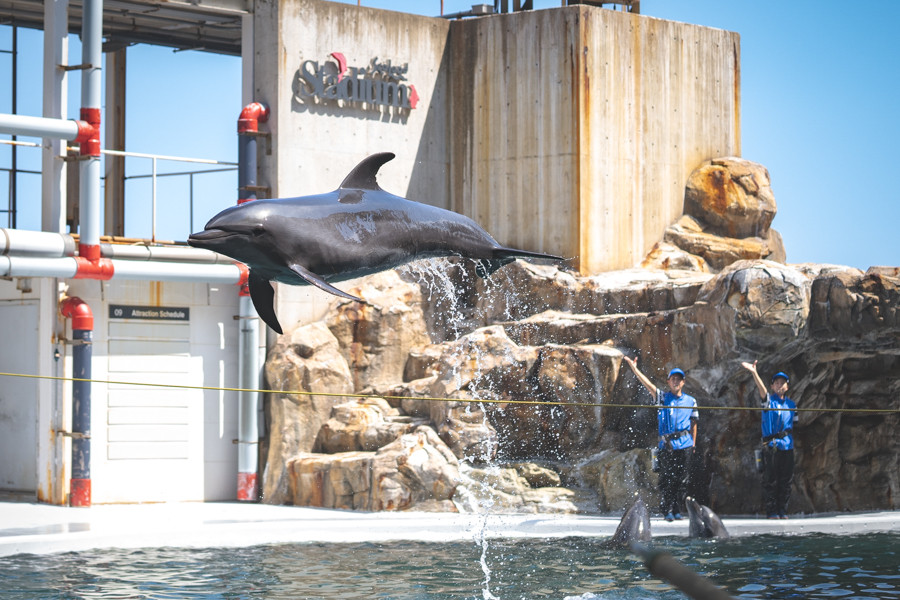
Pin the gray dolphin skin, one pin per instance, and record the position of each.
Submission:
(703, 522)
(634, 526)
(356, 230)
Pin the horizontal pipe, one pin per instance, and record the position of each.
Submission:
(21, 242)
(44, 127)
(188, 272)
(30, 266)
(35, 243)
(163, 253)
(68, 267)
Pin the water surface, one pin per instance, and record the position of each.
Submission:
(816, 566)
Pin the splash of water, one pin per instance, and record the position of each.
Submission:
(435, 280)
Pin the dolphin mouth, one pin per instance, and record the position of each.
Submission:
(209, 236)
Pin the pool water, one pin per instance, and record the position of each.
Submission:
(816, 566)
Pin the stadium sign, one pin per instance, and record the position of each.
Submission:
(377, 85)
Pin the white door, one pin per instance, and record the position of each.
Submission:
(154, 435)
(18, 396)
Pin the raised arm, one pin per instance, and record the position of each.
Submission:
(632, 362)
(760, 386)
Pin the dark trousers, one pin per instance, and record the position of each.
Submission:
(673, 473)
(778, 475)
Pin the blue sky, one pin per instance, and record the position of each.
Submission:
(819, 83)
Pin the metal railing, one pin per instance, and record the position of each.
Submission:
(153, 175)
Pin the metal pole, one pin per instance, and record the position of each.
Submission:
(191, 203)
(153, 202)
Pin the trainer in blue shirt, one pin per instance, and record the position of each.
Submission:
(778, 441)
(677, 423)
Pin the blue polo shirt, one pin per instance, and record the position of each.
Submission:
(675, 416)
(780, 417)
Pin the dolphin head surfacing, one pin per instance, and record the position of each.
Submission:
(703, 522)
(634, 526)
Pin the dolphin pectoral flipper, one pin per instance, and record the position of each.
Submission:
(320, 283)
(263, 297)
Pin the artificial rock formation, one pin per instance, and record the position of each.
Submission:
(728, 211)
(483, 377)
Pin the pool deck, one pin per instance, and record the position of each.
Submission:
(43, 529)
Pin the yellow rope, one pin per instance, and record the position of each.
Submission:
(429, 399)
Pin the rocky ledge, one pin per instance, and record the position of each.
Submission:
(447, 392)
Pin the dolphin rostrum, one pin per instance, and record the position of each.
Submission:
(634, 526)
(703, 522)
(356, 230)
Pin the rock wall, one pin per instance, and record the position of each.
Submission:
(472, 386)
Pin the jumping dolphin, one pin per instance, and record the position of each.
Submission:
(356, 230)
(634, 526)
(703, 522)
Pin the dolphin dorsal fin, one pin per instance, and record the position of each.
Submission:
(363, 175)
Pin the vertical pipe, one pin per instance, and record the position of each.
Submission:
(80, 490)
(248, 350)
(13, 175)
(91, 85)
(246, 175)
(82, 337)
(248, 380)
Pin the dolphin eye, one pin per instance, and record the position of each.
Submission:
(258, 230)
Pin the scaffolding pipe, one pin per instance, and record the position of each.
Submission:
(82, 338)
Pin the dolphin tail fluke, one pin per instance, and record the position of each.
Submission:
(313, 279)
(263, 297)
(363, 175)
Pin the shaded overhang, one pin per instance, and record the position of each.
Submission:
(210, 25)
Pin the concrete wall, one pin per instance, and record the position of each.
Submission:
(575, 129)
(316, 143)
(570, 131)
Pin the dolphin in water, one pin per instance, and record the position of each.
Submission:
(703, 522)
(634, 526)
(356, 230)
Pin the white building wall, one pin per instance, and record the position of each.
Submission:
(148, 444)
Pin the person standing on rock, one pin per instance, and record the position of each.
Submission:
(778, 441)
(677, 422)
